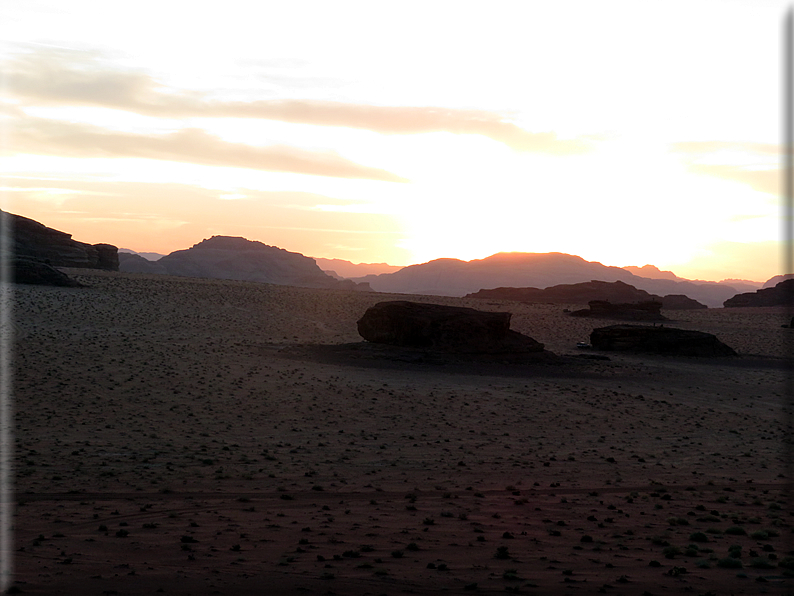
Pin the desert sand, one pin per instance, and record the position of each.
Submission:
(184, 436)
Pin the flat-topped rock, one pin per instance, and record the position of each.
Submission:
(658, 340)
(446, 328)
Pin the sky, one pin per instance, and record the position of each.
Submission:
(623, 132)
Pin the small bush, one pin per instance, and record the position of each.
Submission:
(671, 551)
(762, 563)
(502, 553)
(698, 537)
(729, 563)
(736, 531)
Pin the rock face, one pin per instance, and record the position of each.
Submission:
(658, 340)
(445, 328)
(585, 292)
(227, 257)
(57, 249)
(32, 271)
(640, 311)
(780, 295)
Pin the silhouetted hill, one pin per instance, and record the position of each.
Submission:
(149, 256)
(782, 294)
(453, 277)
(227, 257)
(771, 283)
(34, 240)
(346, 270)
(616, 292)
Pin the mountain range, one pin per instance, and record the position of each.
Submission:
(453, 277)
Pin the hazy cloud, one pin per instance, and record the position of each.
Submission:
(52, 78)
(759, 178)
(767, 181)
(52, 137)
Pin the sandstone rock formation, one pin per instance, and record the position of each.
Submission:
(585, 292)
(56, 248)
(780, 295)
(658, 340)
(639, 311)
(445, 328)
(227, 257)
(26, 270)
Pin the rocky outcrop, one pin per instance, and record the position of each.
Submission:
(57, 249)
(585, 292)
(680, 302)
(658, 340)
(26, 270)
(227, 257)
(639, 311)
(780, 295)
(444, 328)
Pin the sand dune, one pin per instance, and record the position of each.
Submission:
(168, 443)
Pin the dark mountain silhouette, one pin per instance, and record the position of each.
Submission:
(453, 277)
(149, 256)
(780, 295)
(583, 293)
(342, 269)
(771, 283)
(652, 272)
(227, 257)
(34, 240)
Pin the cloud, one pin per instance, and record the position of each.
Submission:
(703, 147)
(191, 145)
(55, 78)
(767, 181)
(751, 163)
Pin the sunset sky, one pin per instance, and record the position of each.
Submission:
(624, 132)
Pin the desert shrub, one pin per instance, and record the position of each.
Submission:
(502, 553)
(698, 537)
(736, 531)
(702, 564)
(787, 563)
(397, 554)
(413, 546)
(671, 551)
(762, 563)
(759, 535)
(729, 563)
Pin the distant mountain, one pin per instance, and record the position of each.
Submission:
(149, 256)
(616, 292)
(780, 295)
(227, 257)
(771, 283)
(346, 270)
(652, 272)
(453, 277)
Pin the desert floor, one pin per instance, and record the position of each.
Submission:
(184, 436)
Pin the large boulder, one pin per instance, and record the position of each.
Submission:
(640, 311)
(32, 271)
(446, 328)
(658, 340)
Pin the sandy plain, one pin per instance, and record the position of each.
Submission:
(184, 436)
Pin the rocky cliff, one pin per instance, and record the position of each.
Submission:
(780, 295)
(57, 249)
